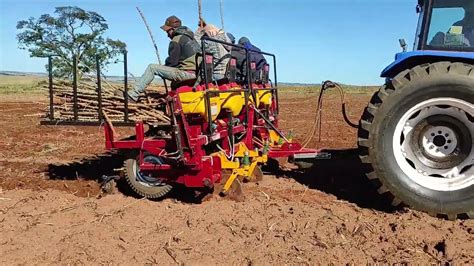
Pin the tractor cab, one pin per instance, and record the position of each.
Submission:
(445, 33)
(445, 25)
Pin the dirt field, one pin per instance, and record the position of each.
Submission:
(52, 210)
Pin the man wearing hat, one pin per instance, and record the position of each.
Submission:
(181, 62)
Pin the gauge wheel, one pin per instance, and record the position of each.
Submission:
(142, 184)
(416, 136)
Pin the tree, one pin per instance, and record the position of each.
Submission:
(70, 32)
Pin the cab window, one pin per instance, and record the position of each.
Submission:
(448, 28)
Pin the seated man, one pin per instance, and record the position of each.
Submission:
(220, 52)
(461, 33)
(467, 23)
(239, 54)
(181, 62)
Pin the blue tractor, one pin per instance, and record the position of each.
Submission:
(416, 135)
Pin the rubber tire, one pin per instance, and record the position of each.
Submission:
(140, 189)
(378, 123)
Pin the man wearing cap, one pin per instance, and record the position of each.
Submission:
(181, 62)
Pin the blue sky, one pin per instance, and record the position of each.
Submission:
(348, 41)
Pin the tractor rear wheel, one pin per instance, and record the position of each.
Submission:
(416, 138)
(144, 185)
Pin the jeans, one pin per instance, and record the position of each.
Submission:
(169, 73)
(218, 77)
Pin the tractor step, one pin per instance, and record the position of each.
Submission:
(312, 156)
(307, 160)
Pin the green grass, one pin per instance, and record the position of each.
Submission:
(21, 84)
(292, 90)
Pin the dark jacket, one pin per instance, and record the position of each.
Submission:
(239, 54)
(256, 57)
(182, 50)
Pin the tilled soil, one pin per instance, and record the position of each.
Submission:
(52, 210)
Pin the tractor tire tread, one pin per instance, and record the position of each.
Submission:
(371, 176)
(363, 142)
(396, 202)
(371, 108)
(370, 112)
(382, 190)
(365, 159)
(365, 125)
(470, 214)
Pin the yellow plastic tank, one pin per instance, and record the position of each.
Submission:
(195, 103)
(257, 103)
(233, 101)
(265, 97)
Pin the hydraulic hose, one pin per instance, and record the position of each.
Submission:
(331, 84)
(317, 125)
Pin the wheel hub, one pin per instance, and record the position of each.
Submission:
(439, 141)
(433, 144)
(145, 178)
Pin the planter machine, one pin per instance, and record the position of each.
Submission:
(219, 131)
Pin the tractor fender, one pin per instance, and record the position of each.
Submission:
(408, 60)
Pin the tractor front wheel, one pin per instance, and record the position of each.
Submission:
(416, 137)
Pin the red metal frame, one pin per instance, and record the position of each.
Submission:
(196, 168)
